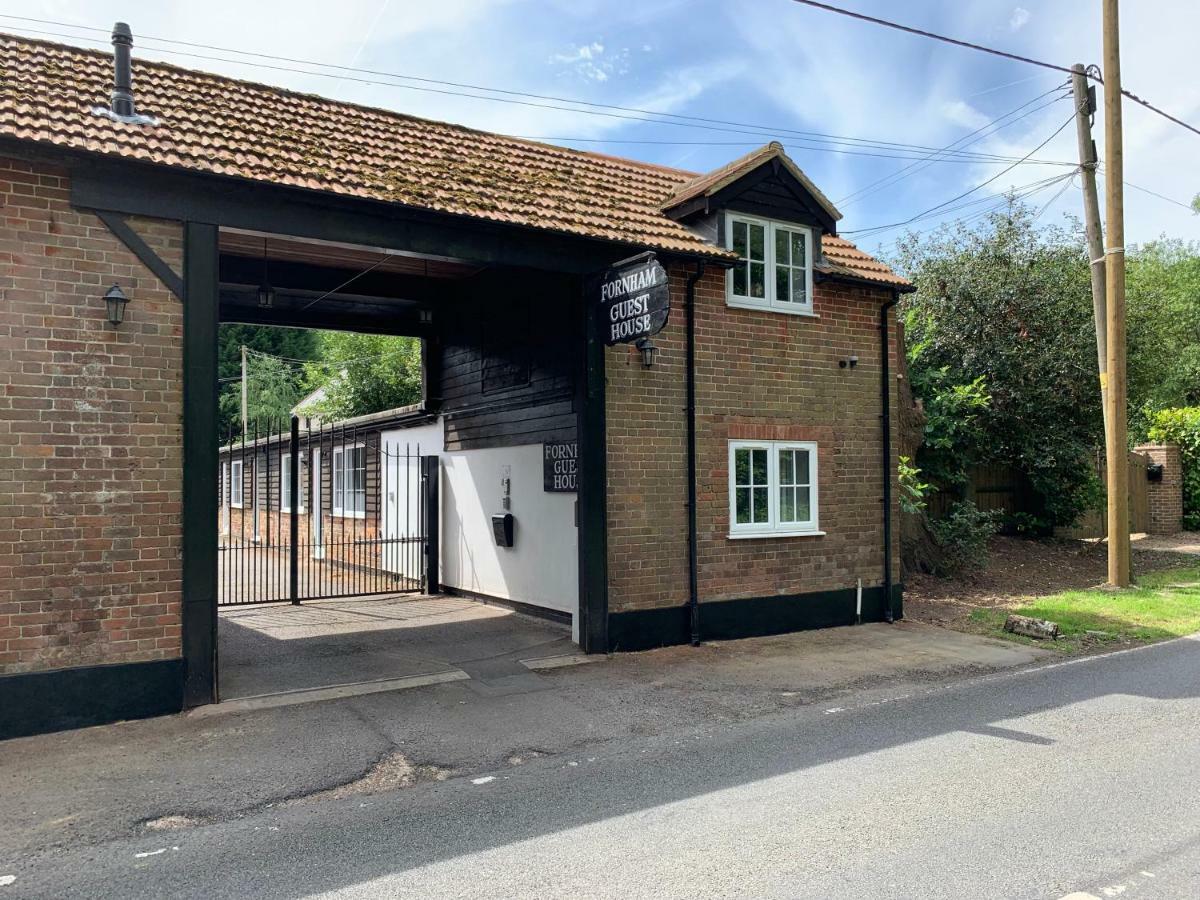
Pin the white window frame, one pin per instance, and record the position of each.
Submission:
(335, 463)
(770, 301)
(226, 490)
(773, 527)
(237, 499)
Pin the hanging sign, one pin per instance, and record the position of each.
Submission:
(560, 466)
(635, 300)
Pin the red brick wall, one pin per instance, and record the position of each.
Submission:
(90, 436)
(346, 539)
(759, 375)
(1166, 496)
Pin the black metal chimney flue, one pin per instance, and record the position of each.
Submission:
(122, 92)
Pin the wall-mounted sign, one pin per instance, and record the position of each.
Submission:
(560, 466)
(635, 300)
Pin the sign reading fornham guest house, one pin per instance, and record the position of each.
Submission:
(635, 300)
(560, 466)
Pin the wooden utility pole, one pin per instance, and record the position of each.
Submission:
(243, 389)
(1116, 437)
(1085, 110)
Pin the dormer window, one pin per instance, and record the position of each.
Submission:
(774, 267)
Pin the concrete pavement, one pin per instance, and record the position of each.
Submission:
(87, 787)
(1069, 778)
(278, 647)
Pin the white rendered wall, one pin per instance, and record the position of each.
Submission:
(541, 569)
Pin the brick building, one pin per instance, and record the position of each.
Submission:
(742, 483)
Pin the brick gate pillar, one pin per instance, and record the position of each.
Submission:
(1166, 496)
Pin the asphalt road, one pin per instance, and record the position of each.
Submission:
(1078, 778)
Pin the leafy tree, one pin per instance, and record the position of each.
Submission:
(273, 388)
(1004, 355)
(1163, 307)
(366, 373)
(268, 387)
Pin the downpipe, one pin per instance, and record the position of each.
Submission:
(885, 400)
(693, 575)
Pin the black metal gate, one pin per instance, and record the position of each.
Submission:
(326, 511)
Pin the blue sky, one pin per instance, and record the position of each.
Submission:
(771, 63)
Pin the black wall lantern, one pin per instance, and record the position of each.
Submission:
(266, 293)
(114, 302)
(648, 350)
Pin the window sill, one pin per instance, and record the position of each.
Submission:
(346, 515)
(745, 535)
(764, 307)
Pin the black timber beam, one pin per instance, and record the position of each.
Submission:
(199, 623)
(245, 270)
(291, 310)
(135, 188)
(592, 498)
(139, 248)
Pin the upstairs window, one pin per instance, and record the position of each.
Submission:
(774, 267)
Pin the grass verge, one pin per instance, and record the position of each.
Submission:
(1161, 605)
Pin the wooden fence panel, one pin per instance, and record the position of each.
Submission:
(996, 486)
(1094, 522)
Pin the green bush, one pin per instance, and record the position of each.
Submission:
(913, 490)
(962, 536)
(1182, 426)
(1002, 354)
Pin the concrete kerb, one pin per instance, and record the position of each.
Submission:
(333, 692)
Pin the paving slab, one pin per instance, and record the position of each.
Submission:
(278, 648)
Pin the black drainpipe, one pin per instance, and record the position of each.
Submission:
(885, 399)
(693, 576)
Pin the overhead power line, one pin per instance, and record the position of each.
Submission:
(519, 98)
(992, 203)
(1146, 190)
(977, 135)
(934, 156)
(977, 187)
(937, 37)
(1004, 53)
(1166, 115)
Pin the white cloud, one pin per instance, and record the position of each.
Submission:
(581, 53)
(1019, 19)
(590, 62)
(960, 112)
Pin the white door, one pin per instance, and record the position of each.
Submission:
(403, 525)
(226, 494)
(317, 526)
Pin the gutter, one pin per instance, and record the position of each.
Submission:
(885, 400)
(693, 576)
